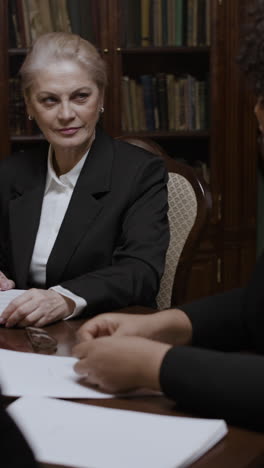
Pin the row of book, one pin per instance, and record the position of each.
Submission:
(166, 23)
(144, 22)
(164, 102)
(28, 19)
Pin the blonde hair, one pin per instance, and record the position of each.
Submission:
(58, 46)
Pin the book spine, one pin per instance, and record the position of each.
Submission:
(197, 106)
(87, 16)
(133, 104)
(190, 18)
(201, 23)
(184, 5)
(155, 103)
(147, 84)
(176, 102)
(164, 23)
(20, 19)
(145, 23)
(171, 22)
(60, 16)
(140, 107)
(170, 99)
(194, 22)
(206, 103)
(191, 102)
(126, 109)
(208, 22)
(132, 23)
(46, 22)
(182, 104)
(34, 19)
(73, 7)
(178, 22)
(14, 34)
(27, 22)
(157, 23)
(162, 101)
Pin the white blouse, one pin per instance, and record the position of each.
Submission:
(57, 195)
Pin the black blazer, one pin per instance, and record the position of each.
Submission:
(15, 452)
(111, 246)
(213, 377)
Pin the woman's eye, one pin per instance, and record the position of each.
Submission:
(81, 96)
(49, 100)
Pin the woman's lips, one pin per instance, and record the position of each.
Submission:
(69, 131)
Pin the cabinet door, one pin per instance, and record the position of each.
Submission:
(205, 277)
(233, 148)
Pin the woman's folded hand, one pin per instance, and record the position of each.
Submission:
(36, 307)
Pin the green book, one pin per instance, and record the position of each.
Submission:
(178, 22)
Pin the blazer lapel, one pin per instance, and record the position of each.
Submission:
(24, 216)
(85, 205)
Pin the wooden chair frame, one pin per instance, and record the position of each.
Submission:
(204, 204)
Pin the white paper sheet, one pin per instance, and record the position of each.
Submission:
(41, 375)
(8, 296)
(87, 436)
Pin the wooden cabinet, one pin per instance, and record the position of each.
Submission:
(228, 146)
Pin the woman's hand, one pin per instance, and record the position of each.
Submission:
(168, 326)
(36, 307)
(5, 283)
(118, 364)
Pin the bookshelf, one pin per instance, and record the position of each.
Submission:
(224, 146)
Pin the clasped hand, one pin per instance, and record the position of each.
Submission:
(122, 352)
(34, 307)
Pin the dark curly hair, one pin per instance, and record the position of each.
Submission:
(251, 56)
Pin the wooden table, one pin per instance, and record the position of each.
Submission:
(240, 449)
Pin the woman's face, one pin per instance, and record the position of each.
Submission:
(65, 102)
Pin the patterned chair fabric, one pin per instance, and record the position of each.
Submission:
(182, 214)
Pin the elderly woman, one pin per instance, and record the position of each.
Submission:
(212, 377)
(84, 221)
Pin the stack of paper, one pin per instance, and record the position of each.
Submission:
(41, 375)
(83, 436)
(72, 434)
(8, 296)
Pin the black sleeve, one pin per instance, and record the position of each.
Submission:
(216, 384)
(221, 384)
(232, 321)
(15, 452)
(218, 322)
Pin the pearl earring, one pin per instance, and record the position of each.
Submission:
(30, 117)
(102, 110)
